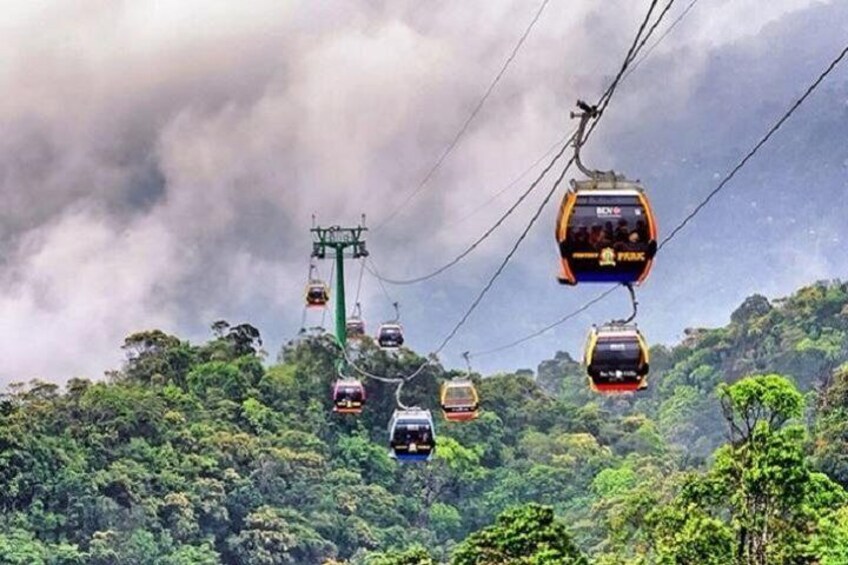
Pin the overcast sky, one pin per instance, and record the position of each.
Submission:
(160, 163)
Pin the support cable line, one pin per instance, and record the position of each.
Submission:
(324, 310)
(359, 279)
(504, 262)
(635, 48)
(721, 185)
(305, 308)
(756, 147)
(487, 233)
(372, 269)
(633, 303)
(579, 141)
(660, 39)
(537, 333)
(483, 205)
(365, 373)
(628, 59)
(398, 400)
(603, 103)
(467, 123)
(650, 32)
(356, 306)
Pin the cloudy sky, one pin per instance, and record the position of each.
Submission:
(160, 163)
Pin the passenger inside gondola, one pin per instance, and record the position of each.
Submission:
(606, 236)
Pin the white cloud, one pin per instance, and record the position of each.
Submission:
(160, 161)
(78, 287)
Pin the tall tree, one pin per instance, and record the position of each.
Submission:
(527, 535)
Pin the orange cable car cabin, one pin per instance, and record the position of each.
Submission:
(606, 232)
(459, 400)
(617, 359)
(317, 294)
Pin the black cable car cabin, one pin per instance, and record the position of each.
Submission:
(348, 396)
(317, 294)
(459, 400)
(606, 233)
(390, 335)
(412, 435)
(617, 359)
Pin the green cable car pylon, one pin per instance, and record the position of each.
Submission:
(341, 241)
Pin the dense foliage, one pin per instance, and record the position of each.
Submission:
(737, 453)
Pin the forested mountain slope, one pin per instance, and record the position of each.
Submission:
(203, 454)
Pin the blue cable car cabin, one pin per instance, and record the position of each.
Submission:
(412, 436)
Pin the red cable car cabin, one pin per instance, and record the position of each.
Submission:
(606, 232)
(317, 294)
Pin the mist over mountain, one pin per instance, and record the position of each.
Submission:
(160, 164)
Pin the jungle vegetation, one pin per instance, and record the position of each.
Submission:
(212, 453)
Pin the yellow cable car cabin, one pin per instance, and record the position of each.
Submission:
(459, 400)
(348, 396)
(606, 232)
(617, 359)
(317, 294)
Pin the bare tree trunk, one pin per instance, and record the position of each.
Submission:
(764, 542)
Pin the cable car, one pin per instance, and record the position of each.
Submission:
(348, 396)
(412, 435)
(390, 335)
(617, 359)
(355, 325)
(317, 294)
(606, 232)
(459, 400)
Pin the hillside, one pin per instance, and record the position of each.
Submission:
(204, 454)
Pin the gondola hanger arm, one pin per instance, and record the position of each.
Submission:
(467, 356)
(633, 302)
(588, 113)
